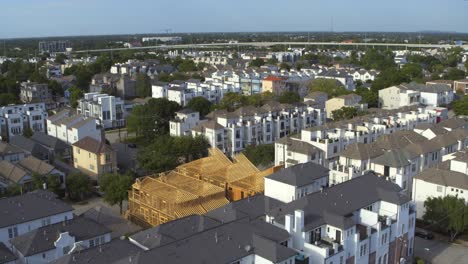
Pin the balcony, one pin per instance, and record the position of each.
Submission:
(326, 247)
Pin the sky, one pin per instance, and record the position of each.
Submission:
(39, 18)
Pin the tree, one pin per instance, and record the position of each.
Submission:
(285, 66)
(115, 188)
(289, 98)
(368, 96)
(78, 185)
(28, 132)
(460, 107)
(257, 63)
(56, 88)
(388, 78)
(261, 155)
(449, 214)
(38, 181)
(60, 58)
(8, 98)
(454, 74)
(332, 87)
(187, 66)
(232, 101)
(143, 85)
(166, 152)
(53, 184)
(345, 113)
(75, 94)
(14, 189)
(412, 71)
(152, 119)
(200, 104)
(379, 60)
(272, 60)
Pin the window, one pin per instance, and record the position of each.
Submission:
(341, 260)
(91, 167)
(385, 259)
(66, 249)
(91, 243)
(363, 250)
(12, 232)
(43, 255)
(335, 149)
(78, 150)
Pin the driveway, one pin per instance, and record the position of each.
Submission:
(440, 252)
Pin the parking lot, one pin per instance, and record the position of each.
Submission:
(440, 252)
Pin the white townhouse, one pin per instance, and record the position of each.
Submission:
(14, 119)
(70, 127)
(350, 223)
(108, 109)
(434, 95)
(364, 75)
(184, 121)
(21, 215)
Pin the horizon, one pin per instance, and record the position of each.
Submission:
(59, 18)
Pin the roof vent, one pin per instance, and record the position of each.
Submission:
(216, 237)
(248, 248)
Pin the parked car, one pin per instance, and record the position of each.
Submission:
(423, 234)
(132, 145)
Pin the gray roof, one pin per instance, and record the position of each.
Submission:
(253, 207)
(300, 174)
(299, 146)
(42, 239)
(455, 122)
(8, 149)
(207, 125)
(173, 231)
(224, 244)
(49, 141)
(395, 158)
(24, 208)
(112, 220)
(37, 150)
(186, 111)
(116, 251)
(399, 139)
(5, 254)
(444, 177)
(361, 151)
(336, 204)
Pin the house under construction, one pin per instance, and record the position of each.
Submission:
(194, 188)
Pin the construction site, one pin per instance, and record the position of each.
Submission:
(194, 188)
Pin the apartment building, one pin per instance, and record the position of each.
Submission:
(70, 127)
(349, 100)
(182, 92)
(350, 223)
(364, 75)
(344, 77)
(233, 131)
(35, 92)
(461, 86)
(434, 95)
(23, 215)
(184, 121)
(94, 157)
(108, 109)
(14, 119)
(333, 138)
(273, 84)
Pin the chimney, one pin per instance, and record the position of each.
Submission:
(335, 247)
(298, 220)
(388, 221)
(369, 231)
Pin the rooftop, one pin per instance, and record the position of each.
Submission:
(444, 177)
(92, 145)
(300, 175)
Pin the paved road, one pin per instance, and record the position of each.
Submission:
(440, 252)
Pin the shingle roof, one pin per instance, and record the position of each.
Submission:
(455, 122)
(361, 151)
(24, 208)
(300, 175)
(395, 158)
(399, 139)
(175, 230)
(116, 251)
(11, 172)
(335, 204)
(5, 254)
(42, 239)
(36, 165)
(8, 149)
(92, 145)
(207, 125)
(299, 146)
(444, 177)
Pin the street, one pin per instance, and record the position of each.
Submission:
(440, 252)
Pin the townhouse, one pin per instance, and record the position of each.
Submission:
(184, 121)
(461, 86)
(108, 109)
(53, 241)
(344, 77)
(70, 127)
(333, 138)
(14, 119)
(22, 215)
(233, 131)
(11, 153)
(449, 178)
(364, 75)
(35, 92)
(434, 95)
(94, 157)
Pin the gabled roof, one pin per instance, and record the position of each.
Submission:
(36, 165)
(444, 177)
(300, 175)
(454, 123)
(43, 239)
(6, 255)
(361, 151)
(336, 204)
(395, 158)
(8, 149)
(11, 172)
(24, 208)
(92, 145)
(399, 139)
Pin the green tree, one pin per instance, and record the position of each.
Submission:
(261, 155)
(60, 58)
(368, 96)
(38, 181)
(56, 88)
(8, 98)
(28, 132)
(332, 87)
(388, 78)
(377, 59)
(75, 94)
(53, 184)
(257, 63)
(454, 74)
(152, 119)
(412, 71)
(285, 66)
(166, 152)
(460, 107)
(449, 214)
(187, 66)
(78, 186)
(200, 104)
(289, 98)
(115, 188)
(272, 61)
(14, 189)
(83, 76)
(143, 85)
(345, 113)
(232, 101)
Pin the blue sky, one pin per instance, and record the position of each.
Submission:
(34, 18)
